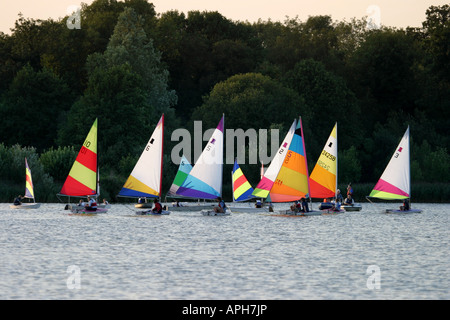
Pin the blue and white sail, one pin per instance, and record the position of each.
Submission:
(205, 179)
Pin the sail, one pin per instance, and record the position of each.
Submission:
(183, 170)
(205, 179)
(82, 178)
(286, 179)
(29, 192)
(395, 181)
(292, 180)
(242, 190)
(145, 179)
(323, 179)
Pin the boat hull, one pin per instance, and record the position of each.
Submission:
(213, 213)
(192, 208)
(355, 207)
(26, 206)
(82, 210)
(144, 205)
(325, 205)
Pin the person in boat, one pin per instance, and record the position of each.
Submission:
(336, 206)
(221, 208)
(18, 200)
(348, 200)
(141, 200)
(304, 205)
(157, 208)
(338, 197)
(258, 204)
(296, 207)
(350, 189)
(91, 204)
(405, 206)
(81, 203)
(105, 202)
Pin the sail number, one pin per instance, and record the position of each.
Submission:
(323, 165)
(328, 155)
(86, 146)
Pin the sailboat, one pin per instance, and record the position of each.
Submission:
(286, 178)
(242, 191)
(324, 177)
(395, 182)
(83, 176)
(204, 181)
(145, 180)
(29, 191)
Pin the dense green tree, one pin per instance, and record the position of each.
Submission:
(329, 101)
(242, 97)
(127, 91)
(31, 108)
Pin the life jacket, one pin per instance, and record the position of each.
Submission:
(158, 207)
(93, 204)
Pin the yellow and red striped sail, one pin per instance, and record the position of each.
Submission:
(82, 178)
(323, 179)
(29, 191)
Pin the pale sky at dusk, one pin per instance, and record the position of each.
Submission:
(395, 13)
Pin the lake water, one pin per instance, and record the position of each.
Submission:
(49, 254)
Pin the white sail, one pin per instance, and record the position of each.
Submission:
(205, 179)
(145, 179)
(395, 182)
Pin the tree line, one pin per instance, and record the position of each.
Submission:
(127, 65)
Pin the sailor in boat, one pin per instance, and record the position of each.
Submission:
(157, 208)
(348, 201)
(221, 208)
(258, 204)
(350, 189)
(142, 200)
(304, 205)
(339, 197)
(296, 206)
(91, 205)
(18, 200)
(405, 206)
(105, 202)
(336, 206)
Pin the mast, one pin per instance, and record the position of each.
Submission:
(306, 160)
(337, 164)
(162, 156)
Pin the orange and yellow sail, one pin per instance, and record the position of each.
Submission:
(286, 179)
(323, 179)
(82, 178)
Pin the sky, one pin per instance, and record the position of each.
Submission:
(393, 13)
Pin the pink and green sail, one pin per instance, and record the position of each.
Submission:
(395, 182)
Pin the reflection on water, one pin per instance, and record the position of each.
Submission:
(49, 254)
